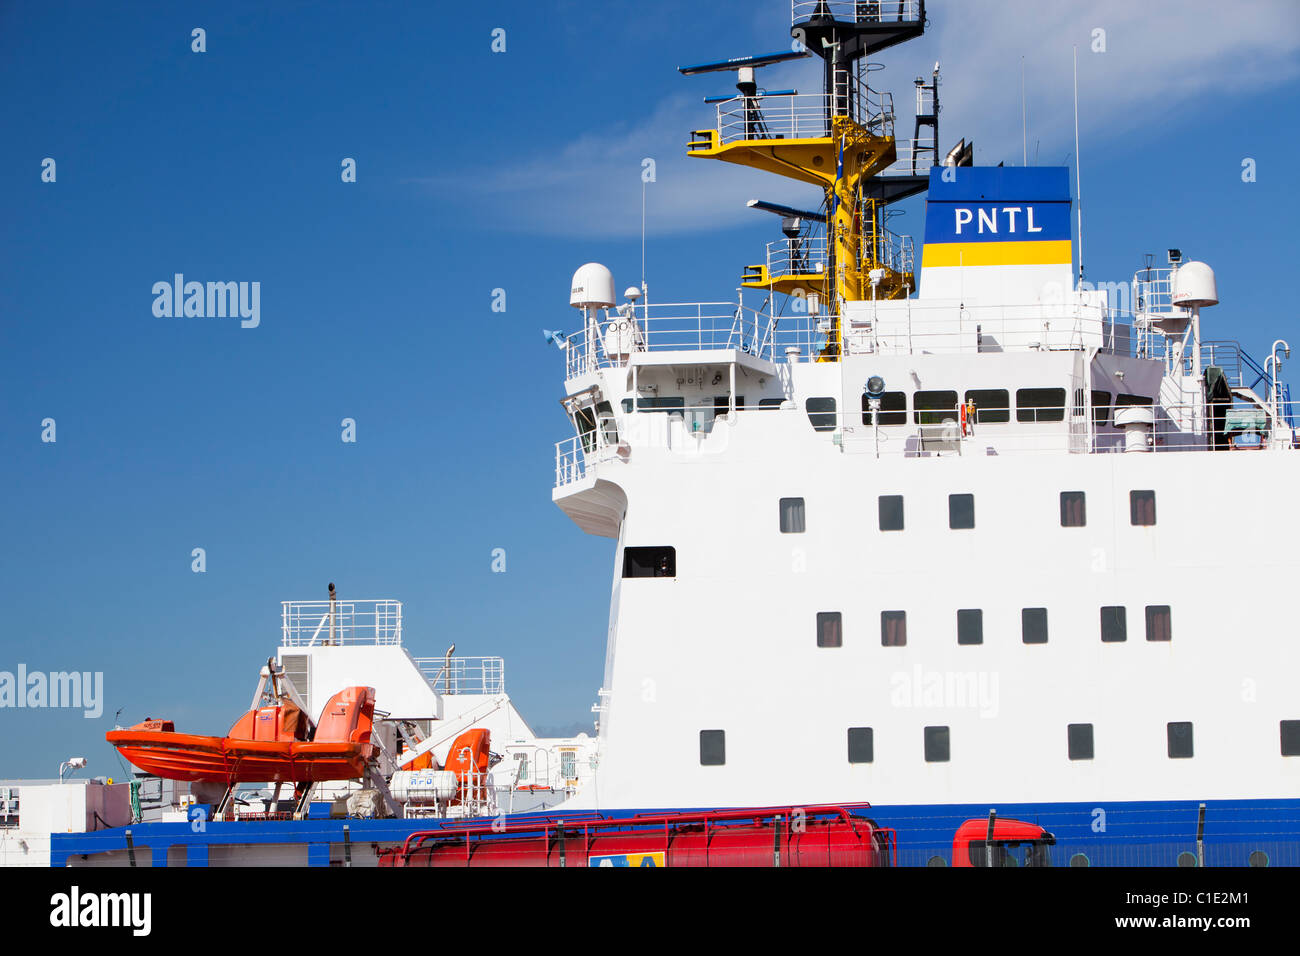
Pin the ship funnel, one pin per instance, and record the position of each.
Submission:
(1194, 286)
(593, 287)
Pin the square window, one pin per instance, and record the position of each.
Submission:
(1033, 625)
(1290, 738)
(821, 413)
(792, 516)
(1180, 739)
(932, 407)
(1114, 625)
(937, 749)
(1040, 404)
(650, 562)
(1074, 509)
(970, 626)
(891, 512)
(961, 512)
(862, 747)
(1142, 507)
(1080, 741)
(1159, 623)
(830, 629)
(992, 405)
(893, 628)
(713, 748)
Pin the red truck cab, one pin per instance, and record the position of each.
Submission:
(1014, 843)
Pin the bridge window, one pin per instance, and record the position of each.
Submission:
(862, 745)
(655, 403)
(659, 562)
(961, 512)
(1114, 625)
(1159, 623)
(1179, 737)
(821, 413)
(792, 516)
(891, 512)
(1040, 404)
(992, 405)
(893, 628)
(770, 404)
(1142, 508)
(932, 407)
(1124, 400)
(1290, 738)
(937, 745)
(713, 748)
(1074, 509)
(1033, 625)
(1100, 407)
(970, 626)
(1079, 738)
(830, 629)
(893, 409)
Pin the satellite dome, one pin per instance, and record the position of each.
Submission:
(593, 287)
(1194, 285)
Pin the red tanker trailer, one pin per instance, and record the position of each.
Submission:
(773, 836)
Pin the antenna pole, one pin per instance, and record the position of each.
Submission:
(1078, 179)
(1024, 118)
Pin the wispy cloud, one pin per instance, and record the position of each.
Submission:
(1163, 63)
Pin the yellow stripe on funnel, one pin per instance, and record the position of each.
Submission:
(1049, 252)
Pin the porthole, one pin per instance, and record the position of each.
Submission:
(1258, 858)
(1187, 858)
(1080, 859)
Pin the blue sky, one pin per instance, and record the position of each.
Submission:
(476, 171)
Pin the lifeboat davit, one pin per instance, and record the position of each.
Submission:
(267, 744)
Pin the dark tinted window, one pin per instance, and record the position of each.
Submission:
(1291, 738)
(932, 407)
(961, 512)
(1033, 625)
(893, 628)
(770, 403)
(1040, 404)
(830, 629)
(970, 626)
(1074, 509)
(1100, 407)
(1179, 735)
(647, 404)
(1159, 623)
(862, 747)
(792, 516)
(713, 748)
(936, 745)
(1124, 400)
(821, 413)
(893, 409)
(722, 403)
(1080, 741)
(991, 404)
(1114, 625)
(1142, 507)
(658, 562)
(891, 512)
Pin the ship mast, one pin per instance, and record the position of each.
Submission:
(840, 140)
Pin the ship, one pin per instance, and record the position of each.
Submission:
(931, 544)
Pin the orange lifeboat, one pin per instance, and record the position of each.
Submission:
(469, 758)
(267, 744)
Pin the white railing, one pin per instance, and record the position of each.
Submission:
(804, 256)
(324, 623)
(911, 158)
(856, 11)
(694, 326)
(464, 675)
(804, 115)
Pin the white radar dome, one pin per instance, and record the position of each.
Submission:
(593, 286)
(1194, 285)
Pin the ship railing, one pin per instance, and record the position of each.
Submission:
(1083, 426)
(803, 115)
(669, 326)
(912, 157)
(326, 623)
(464, 675)
(857, 11)
(882, 247)
(802, 256)
(575, 456)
